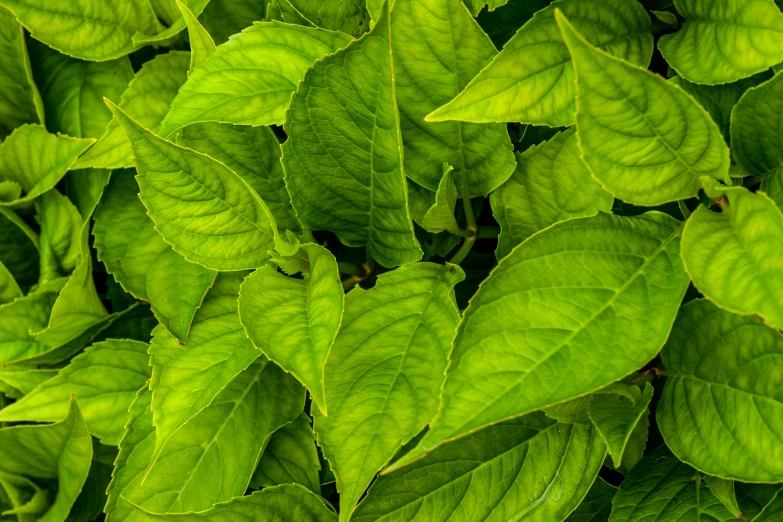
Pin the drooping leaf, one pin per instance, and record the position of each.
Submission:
(756, 141)
(551, 183)
(569, 311)
(294, 322)
(440, 216)
(724, 40)
(343, 158)
(532, 79)
(722, 378)
(597, 505)
(734, 257)
(61, 226)
(104, 380)
(724, 491)
(430, 70)
(348, 16)
(643, 153)
(384, 373)
(138, 258)
(249, 79)
(290, 458)
(524, 469)
(85, 29)
(201, 43)
(147, 100)
(226, 226)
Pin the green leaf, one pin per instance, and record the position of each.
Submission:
(9, 289)
(287, 502)
(225, 18)
(187, 378)
(90, 502)
(756, 142)
(343, 157)
(616, 411)
(662, 488)
(597, 505)
(249, 79)
(195, 7)
(254, 154)
(234, 231)
(73, 90)
(753, 498)
(724, 491)
(502, 24)
(440, 216)
(85, 188)
(37, 173)
(20, 102)
(550, 184)
(15, 383)
(147, 100)
(61, 452)
(643, 153)
(724, 40)
(201, 44)
(533, 336)
(384, 373)
(104, 380)
(772, 511)
(532, 79)
(773, 187)
(721, 373)
(85, 29)
(138, 258)
(290, 458)
(294, 322)
(61, 226)
(524, 469)
(18, 249)
(430, 70)
(733, 256)
(348, 16)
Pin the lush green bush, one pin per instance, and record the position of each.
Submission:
(321, 260)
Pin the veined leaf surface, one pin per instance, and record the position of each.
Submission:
(24, 316)
(348, 16)
(756, 142)
(20, 102)
(597, 505)
(201, 43)
(290, 458)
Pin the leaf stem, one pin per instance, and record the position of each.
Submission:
(363, 272)
(684, 209)
(470, 238)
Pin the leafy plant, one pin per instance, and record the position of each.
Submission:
(391, 260)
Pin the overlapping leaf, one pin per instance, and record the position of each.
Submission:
(756, 141)
(20, 102)
(290, 458)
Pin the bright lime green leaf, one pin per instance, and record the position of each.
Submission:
(734, 256)
(20, 102)
(104, 380)
(616, 411)
(756, 140)
(597, 505)
(724, 40)
(429, 71)
(85, 188)
(212, 457)
(195, 7)
(60, 452)
(73, 90)
(10, 190)
(18, 249)
(724, 491)
(202, 208)
(249, 79)
(644, 153)
(384, 373)
(532, 79)
(570, 310)
(22, 317)
(551, 184)
(722, 379)
(666, 17)
(348, 16)
(573, 411)
(282, 503)
(524, 469)
(289, 458)
(201, 44)
(662, 488)
(440, 216)
(295, 321)
(343, 157)
(9, 289)
(22, 381)
(225, 18)
(61, 226)
(86, 29)
(773, 186)
(254, 154)
(35, 172)
(147, 100)
(187, 378)
(138, 258)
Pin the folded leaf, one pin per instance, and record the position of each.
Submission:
(104, 380)
(204, 210)
(138, 258)
(343, 157)
(572, 309)
(385, 370)
(295, 321)
(550, 184)
(84, 28)
(85, 188)
(643, 153)
(201, 44)
(20, 102)
(249, 79)
(429, 71)
(597, 505)
(756, 142)
(147, 100)
(724, 40)
(440, 216)
(348, 16)
(721, 378)
(290, 457)
(734, 257)
(524, 469)
(532, 79)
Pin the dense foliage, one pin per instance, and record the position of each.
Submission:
(391, 260)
